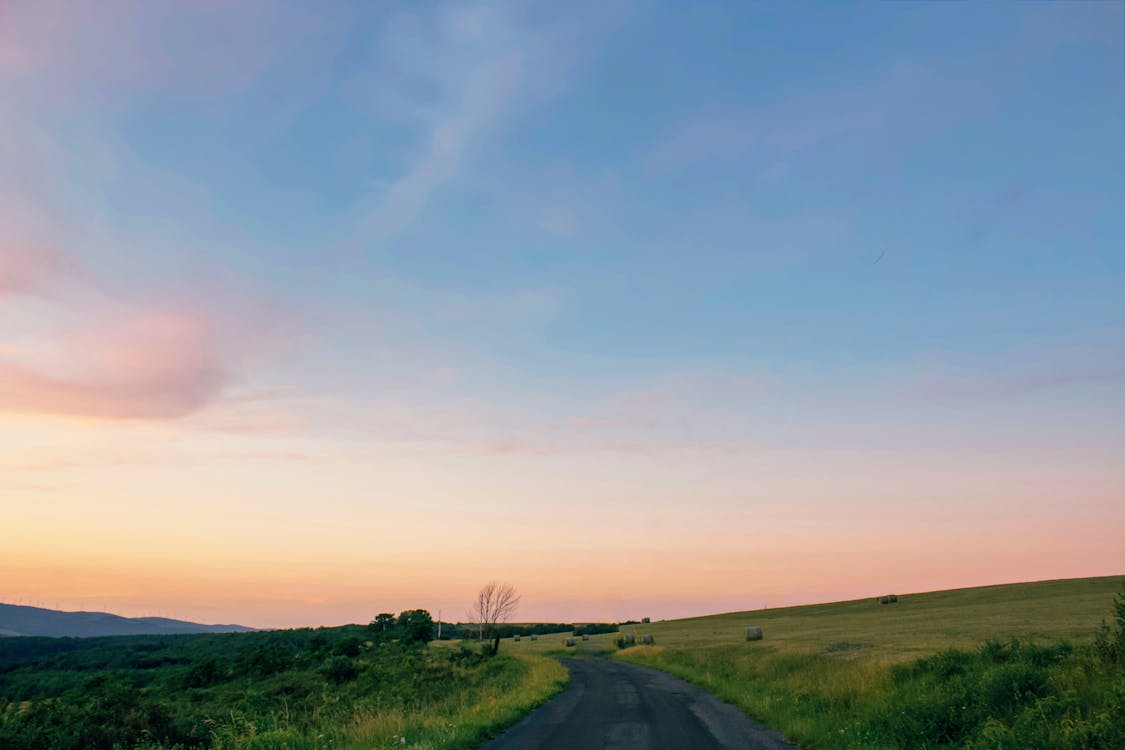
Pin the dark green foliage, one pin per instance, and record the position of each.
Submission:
(266, 659)
(205, 674)
(416, 626)
(317, 645)
(340, 669)
(536, 628)
(125, 691)
(1005, 695)
(350, 646)
(382, 623)
(15, 649)
(1110, 643)
(467, 630)
(595, 628)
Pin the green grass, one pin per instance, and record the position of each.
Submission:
(464, 719)
(979, 668)
(274, 690)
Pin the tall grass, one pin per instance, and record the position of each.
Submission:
(462, 720)
(1004, 694)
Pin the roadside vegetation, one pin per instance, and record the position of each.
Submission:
(998, 668)
(347, 687)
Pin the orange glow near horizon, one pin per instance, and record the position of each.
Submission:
(153, 524)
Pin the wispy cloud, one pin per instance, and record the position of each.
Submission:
(685, 414)
(957, 388)
(474, 58)
(1075, 362)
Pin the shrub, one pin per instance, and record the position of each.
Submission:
(417, 626)
(204, 674)
(340, 669)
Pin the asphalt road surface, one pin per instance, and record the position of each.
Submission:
(618, 706)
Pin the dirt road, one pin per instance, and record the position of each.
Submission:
(619, 706)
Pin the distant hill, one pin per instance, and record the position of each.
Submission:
(17, 620)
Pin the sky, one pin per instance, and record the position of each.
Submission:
(311, 311)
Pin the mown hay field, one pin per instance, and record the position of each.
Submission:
(917, 625)
(1004, 667)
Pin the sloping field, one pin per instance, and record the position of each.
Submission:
(918, 624)
(967, 668)
(998, 667)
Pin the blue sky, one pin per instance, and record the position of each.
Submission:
(711, 185)
(633, 247)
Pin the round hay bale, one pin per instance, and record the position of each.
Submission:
(648, 640)
(516, 637)
(753, 633)
(534, 637)
(569, 642)
(629, 639)
(585, 636)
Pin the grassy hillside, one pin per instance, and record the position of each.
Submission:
(1012, 666)
(917, 625)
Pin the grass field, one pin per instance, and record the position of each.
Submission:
(917, 625)
(919, 673)
(977, 668)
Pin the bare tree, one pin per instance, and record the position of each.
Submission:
(495, 603)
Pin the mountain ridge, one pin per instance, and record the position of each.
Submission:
(18, 620)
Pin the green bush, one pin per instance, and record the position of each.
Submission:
(340, 669)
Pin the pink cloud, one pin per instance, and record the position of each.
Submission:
(148, 366)
(25, 269)
(82, 352)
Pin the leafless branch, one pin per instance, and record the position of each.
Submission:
(495, 603)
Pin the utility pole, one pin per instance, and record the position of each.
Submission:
(439, 624)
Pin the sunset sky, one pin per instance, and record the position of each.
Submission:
(310, 311)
